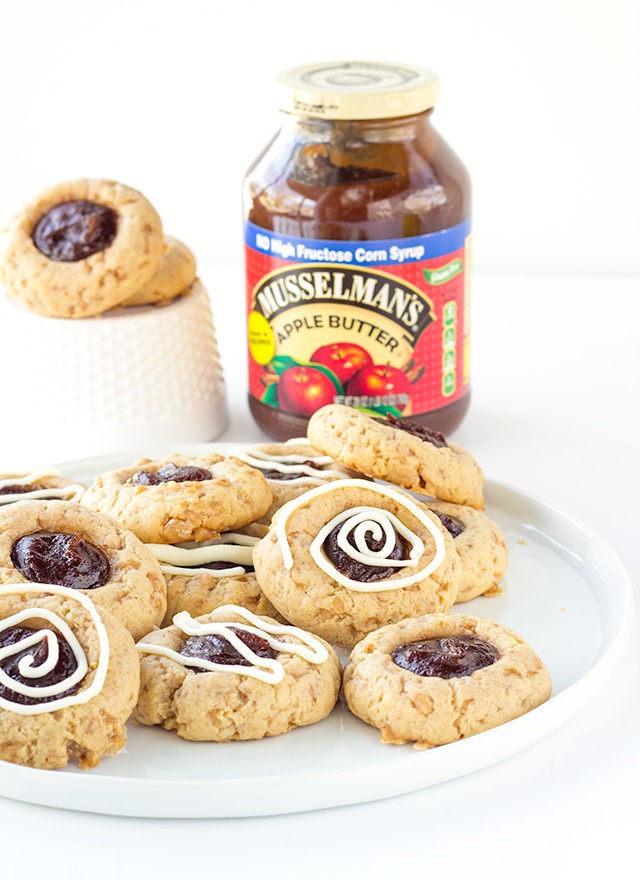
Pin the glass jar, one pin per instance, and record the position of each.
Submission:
(357, 253)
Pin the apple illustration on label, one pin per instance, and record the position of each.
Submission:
(344, 358)
(379, 380)
(303, 390)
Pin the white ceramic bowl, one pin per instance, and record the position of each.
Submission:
(135, 378)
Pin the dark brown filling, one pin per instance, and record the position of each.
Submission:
(217, 649)
(421, 431)
(220, 565)
(20, 488)
(170, 473)
(271, 474)
(75, 230)
(60, 558)
(65, 667)
(358, 571)
(449, 657)
(453, 525)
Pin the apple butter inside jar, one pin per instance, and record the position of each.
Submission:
(357, 253)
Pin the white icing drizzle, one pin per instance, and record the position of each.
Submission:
(183, 559)
(71, 492)
(26, 667)
(376, 521)
(292, 464)
(263, 668)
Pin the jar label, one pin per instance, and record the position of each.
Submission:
(379, 325)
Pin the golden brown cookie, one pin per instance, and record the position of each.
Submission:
(176, 271)
(81, 247)
(442, 677)
(201, 576)
(481, 546)
(69, 678)
(45, 482)
(230, 675)
(181, 498)
(290, 468)
(348, 557)
(67, 544)
(399, 451)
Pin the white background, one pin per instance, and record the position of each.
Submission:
(175, 97)
(541, 101)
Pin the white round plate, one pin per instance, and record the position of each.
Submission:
(566, 592)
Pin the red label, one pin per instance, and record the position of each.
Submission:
(382, 326)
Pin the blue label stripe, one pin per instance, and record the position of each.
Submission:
(385, 252)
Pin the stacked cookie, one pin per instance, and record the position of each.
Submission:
(237, 576)
(87, 246)
(131, 317)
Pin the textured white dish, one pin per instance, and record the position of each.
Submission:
(566, 592)
(117, 381)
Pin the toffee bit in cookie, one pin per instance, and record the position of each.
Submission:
(75, 230)
(359, 571)
(217, 649)
(272, 474)
(421, 431)
(448, 657)
(39, 653)
(20, 488)
(169, 473)
(453, 525)
(60, 558)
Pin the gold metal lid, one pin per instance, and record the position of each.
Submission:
(357, 90)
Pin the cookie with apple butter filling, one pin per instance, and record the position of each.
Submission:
(291, 469)
(234, 675)
(481, 546)
(181, 498)
(45, 482)
(399, 451)
(80, 248)
(69, 678)
(202, 575)
(442, 677)
(350, 556)
(64, 543)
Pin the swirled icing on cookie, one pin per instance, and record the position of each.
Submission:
(56, 695)
(296, 469)
(265, 669)
(357, 528)
(192, 558)
(28, 486)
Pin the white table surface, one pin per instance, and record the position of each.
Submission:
(555, 411)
